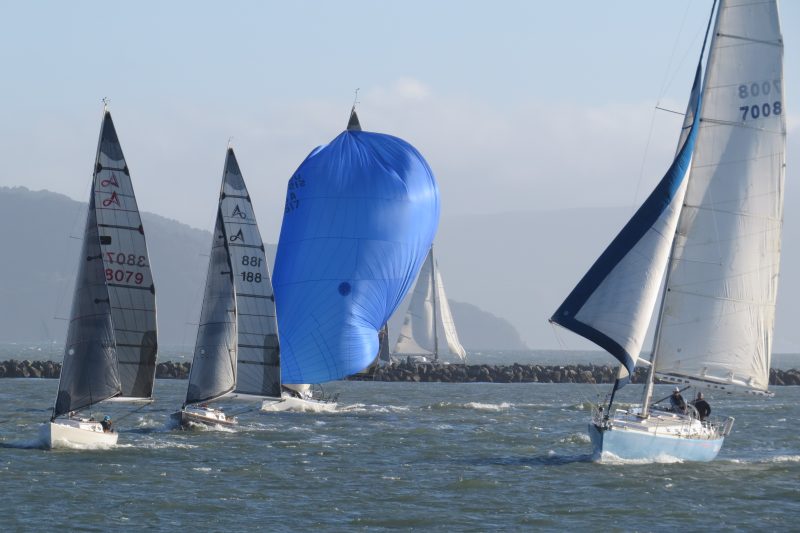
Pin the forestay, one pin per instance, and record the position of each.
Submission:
(719, 307)
(360, 216)
(131, 292)
(613, 304)
(428, 313)
(258, 351)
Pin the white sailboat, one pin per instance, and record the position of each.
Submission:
(111, 342)
(428, 320)
(237, 353)
(713, 224)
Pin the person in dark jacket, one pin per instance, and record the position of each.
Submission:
(107, 424)
(677, 402)
(702, 406)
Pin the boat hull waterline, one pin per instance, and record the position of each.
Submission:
(660, 438)
(77, 433)
(203, 416)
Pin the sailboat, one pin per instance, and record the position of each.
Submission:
(713, 224)
(237, 354)
(361, 214)
(111, 341)
(429, 313)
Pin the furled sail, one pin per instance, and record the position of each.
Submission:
(89, 370)
(428, 314)
(719, 307)
(360, 216)
(213, 371)
(613, 304)
(258, 350)
(131, 292)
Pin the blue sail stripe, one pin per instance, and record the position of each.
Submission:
(630, 235)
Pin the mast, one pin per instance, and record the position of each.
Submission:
(435, 322)
(647, 394)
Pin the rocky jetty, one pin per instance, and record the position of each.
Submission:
(417, 372)
(519, 373)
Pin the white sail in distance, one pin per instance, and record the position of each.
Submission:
(429, 320)
(719, 303)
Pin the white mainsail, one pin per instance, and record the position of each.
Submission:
(719, 303)
(428, 312)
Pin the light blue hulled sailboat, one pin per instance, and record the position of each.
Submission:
(713, 224)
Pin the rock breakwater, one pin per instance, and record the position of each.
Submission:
(417, 372)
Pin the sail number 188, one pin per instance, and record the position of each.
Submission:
(251, 276)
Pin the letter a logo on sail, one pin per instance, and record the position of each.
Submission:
(112, 181)
(113, 199)
(238, 237)
(238, 212)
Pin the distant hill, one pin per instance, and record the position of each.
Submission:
(41, 241)
(480, 330)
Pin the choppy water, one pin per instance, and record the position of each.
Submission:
(394, 455)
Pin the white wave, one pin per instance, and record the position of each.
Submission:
(488, 406)
(158, 445)
(202, 469)
(784, 459)
(580, 438)
(298, 405)
(611, 459)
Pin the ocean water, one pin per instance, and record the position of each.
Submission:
(428, 456)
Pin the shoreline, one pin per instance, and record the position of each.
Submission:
(418, 373)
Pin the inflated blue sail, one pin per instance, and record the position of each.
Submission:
(361, 214)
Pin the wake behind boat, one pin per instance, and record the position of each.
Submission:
(713, 224)
(111, 341)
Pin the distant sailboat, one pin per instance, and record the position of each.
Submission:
(111, 342)
(714, 224)
(429, 314)
(237, 354)
(361, 214)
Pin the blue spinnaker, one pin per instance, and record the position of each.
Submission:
(361, 214)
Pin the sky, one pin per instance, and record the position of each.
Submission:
(517, 105)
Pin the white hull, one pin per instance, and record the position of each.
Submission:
(663, 436)
(205, 416)
(77, 433)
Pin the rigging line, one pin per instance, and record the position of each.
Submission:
(672, 53)
(670, 111)
(123, 417)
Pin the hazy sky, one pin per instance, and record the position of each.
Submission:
(517, 105)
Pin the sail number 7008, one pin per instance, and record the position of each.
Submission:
(754, 90)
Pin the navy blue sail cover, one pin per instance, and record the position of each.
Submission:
(361, 214)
